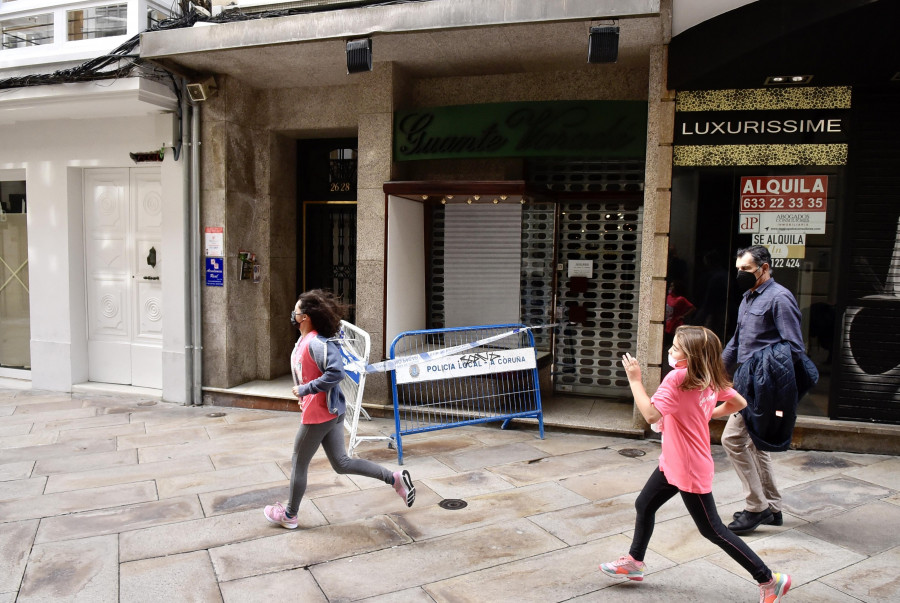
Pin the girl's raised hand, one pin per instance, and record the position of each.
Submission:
(632, 368)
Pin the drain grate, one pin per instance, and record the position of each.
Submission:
(216, 414)
(453, 504)
(632, 452)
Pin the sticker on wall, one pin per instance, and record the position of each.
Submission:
(214, 239)
(215, 272)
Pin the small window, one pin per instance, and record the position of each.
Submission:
(97, 22)
(21, 32)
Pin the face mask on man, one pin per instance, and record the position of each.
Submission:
(746, 280)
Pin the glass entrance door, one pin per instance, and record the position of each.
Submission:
(15, 318)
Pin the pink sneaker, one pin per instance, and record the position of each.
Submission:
(774, 589)
(277, 514)
(404, 487)
(625, 567)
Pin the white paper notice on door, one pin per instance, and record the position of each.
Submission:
(581, 268)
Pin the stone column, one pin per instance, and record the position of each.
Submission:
(657, 202)
(375, 114)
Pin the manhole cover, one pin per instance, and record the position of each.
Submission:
(147, 403)
(216, 414)
(632, 452)
(453, 504)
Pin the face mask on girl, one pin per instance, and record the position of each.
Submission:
(672, 362)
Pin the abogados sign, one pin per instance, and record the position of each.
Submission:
(601, 129)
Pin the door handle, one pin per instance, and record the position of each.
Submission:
(151, 258)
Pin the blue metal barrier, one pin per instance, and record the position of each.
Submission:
(493, 381)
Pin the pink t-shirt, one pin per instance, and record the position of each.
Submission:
(686, 458)
(313, 406)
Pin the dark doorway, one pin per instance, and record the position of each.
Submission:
(327, 194)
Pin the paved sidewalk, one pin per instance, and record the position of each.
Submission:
(119, 499)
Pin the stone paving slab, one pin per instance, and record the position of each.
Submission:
(409, 595)
(259, 429)
(44, 417)
(45, 407)
(265, 451)
(61, 503)
(300, 548)
(32, 439)
(209, 532)
(695, 581)
(85, 462)
(886, 473)
(567, 443)
(804, 466)
(559, 467)
(609, 481)
(556, 576)
(296, 585)
(174, 436)
(210, 481)
(817, 592)
(93, 433)
(871, 580)
(366, 503)
(802, 556)
(229, 445)
(16, 539)
(49, 451)
(75, 570)
(494, 455)
(13, 430)
(188, 577)
(467, 484)
(823, 498)
(862, 529)
(498, 507)
(582, 523)
(127, 474)
(81, 423)
(119, 519)
(432, 560)
(235, 500)
(23, 488)
(14, 471)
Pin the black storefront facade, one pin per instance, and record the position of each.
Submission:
(787, 134)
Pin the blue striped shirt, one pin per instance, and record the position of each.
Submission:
(766, 316)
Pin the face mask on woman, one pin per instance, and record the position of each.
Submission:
(746, 280)
(294, 322)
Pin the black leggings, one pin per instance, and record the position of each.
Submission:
(331, 436)
(702, 508)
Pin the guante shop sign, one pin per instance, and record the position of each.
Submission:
(604, 129)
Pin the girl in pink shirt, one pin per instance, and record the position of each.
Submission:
(683, 405)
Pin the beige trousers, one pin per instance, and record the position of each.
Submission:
(753, 466)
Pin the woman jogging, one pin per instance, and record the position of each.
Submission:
(684, 404)
(318, 370)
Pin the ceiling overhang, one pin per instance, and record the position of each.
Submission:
(438, 38)
(838, 42)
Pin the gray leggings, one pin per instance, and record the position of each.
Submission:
(331, 436)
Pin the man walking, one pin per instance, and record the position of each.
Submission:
(768, 315)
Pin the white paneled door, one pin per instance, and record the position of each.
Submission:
(123, 260)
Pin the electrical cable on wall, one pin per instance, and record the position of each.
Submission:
(121, 62)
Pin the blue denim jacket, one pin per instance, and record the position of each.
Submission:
(766, 316)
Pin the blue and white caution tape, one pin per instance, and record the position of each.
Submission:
(396, 363)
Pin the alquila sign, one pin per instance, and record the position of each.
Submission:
(603, 129)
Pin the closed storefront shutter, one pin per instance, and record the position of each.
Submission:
(869, 380)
